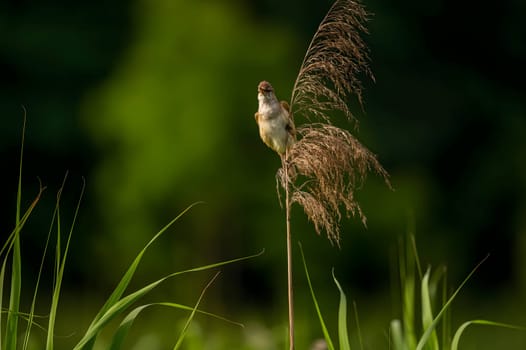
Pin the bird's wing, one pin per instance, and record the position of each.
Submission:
(286, 106)
(290, 123)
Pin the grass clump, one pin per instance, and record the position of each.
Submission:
(413, 331)
(405, 334)
(117, 304)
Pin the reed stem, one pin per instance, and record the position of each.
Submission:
(289, 254)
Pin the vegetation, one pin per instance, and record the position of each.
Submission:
(154, 109)
(404, 334)
(117, 304)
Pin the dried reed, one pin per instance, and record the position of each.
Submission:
(335, 60)
(324, 167)
(327, 164)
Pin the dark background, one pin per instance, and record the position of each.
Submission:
(152, 103)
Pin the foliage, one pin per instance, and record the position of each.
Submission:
(116, 305)
(119, 89)
(404, 334)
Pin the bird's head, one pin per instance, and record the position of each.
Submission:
(265, 89)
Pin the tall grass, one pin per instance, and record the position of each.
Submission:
(409, 333)
(117, 304)
(16, 265)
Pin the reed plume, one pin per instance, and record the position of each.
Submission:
(335, 60)
(327, 164)
(325, 167)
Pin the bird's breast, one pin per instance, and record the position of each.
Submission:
(268, 112)
(273, 132)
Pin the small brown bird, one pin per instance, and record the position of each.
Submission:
(276, 126)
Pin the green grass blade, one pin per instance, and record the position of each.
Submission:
(427, 312)
(126, 324)
(124, 282)
(118, 307)
(462, 328)
(8, 245)
(446, 322)
(11, 333)
(61, 263)
(14, 299)
(191, 317)
(124, 327)
(326, 335)
(115, 310)
(407, 283)
(342, 318)
(415, 256)
(397, 335)
(2, 276)
(35, 293)
(430, 329)
(188, 308)
(358, 325)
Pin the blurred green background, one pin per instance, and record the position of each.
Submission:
(153, 102)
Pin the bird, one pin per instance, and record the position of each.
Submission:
(275, 122)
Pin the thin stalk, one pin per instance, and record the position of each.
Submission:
(289, 254)
(16, 272)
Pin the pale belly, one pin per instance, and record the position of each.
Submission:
(274, 133)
